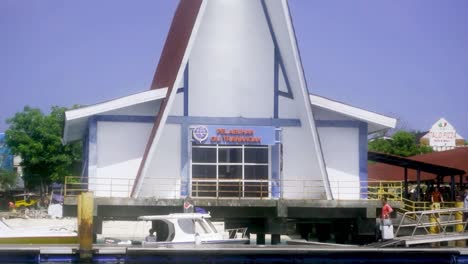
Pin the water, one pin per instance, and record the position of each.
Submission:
(267, 254)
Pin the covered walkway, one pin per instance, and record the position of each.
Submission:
(389, 171)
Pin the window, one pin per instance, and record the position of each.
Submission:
(230, 171)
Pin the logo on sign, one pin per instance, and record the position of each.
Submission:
(200, 133)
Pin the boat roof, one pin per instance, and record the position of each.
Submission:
(174, 216)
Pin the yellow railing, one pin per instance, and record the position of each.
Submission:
(241, 189)
(415, 206)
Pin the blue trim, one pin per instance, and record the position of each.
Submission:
(275, 168)
(84, 170)
(236, 121)
(289, 93)
(125, 118)
(184, 161)
(363, 174)
(275, 85)
(92, 139)
(186, 91)
(180, 90)
(278, 57)
(337, 123)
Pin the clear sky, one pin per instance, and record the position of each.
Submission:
(406, 59)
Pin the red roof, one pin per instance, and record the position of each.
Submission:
(456, 158)
(170, 63)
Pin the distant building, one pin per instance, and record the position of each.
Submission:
(10, 162)
(442, 136)
(6, 158)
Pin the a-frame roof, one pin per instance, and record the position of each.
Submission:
(188, 17)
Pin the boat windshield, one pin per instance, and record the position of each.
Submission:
(211, 225)
(200, 226)
(186, 225)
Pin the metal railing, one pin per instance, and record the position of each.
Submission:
(413, 206)
(236, 232)
(423, 220)
(234, 188)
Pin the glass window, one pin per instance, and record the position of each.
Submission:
(186, 225)
(203, 155)
(256, 172)
(256, 155)
(204, 171)
(230, 155)
(230, 172)
(200, 227)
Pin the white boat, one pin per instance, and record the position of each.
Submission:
(190, 228)
(36, 235)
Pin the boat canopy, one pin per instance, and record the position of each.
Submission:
(174, 216)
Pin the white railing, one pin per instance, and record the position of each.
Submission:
(441, 219)
(232, 188)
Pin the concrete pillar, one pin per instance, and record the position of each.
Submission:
(85, 225)
(260, 239)
(275, 239)
(459, 228)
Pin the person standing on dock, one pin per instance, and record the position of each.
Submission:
(386, 227)
(436, 199)
(386, 211)
(465, 205)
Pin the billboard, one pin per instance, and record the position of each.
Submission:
(442, 134)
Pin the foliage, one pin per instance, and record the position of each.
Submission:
(37, 139)
(7, 178)
(402, 143)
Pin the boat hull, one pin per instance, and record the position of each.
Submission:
(40, 240)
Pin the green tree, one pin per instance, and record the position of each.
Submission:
(7, 178)
(37, 139)
(402, 143)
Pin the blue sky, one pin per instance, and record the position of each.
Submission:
(406, 59)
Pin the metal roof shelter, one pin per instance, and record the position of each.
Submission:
(406, 163)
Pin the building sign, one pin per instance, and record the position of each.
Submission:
(233, 135)
(442, 134)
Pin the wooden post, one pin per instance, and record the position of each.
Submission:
(85, 225)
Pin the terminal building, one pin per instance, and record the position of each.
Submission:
(228, 117)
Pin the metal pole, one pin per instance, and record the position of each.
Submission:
(452, 187)
(406, 182)
(418, 183)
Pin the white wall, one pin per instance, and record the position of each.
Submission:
(301, 177)
(232, 60)
(340, 146)
(163, 177)
(120, 147)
